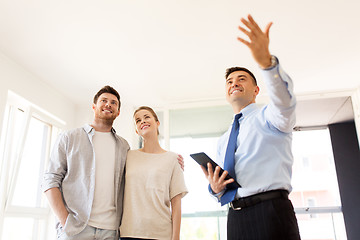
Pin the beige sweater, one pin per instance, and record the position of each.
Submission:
(151, 181)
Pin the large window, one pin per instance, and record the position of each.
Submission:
(27, 135)
(203, 217)
(315, 192)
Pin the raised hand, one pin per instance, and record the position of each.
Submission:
(258, 41)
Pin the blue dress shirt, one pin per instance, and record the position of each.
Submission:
(263, 159)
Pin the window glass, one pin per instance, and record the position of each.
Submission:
(206, 228)
(27, 190)
(314, 174)
(26, 142)
(160, 115)
(314, 178)
(14, 130)
(324, 226)
(18, 228)
(200, 122)
(315, 185)
(198, 199)
(203, 217)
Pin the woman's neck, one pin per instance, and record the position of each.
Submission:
(152, 146)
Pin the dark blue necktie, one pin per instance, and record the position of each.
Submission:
(229, 163)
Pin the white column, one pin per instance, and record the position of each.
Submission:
(167, 128)
(355, 99)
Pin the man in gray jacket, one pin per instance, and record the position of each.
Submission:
(84, 182)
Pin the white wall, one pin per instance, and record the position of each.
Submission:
(355, 98)
(124, 124)
(17, 79)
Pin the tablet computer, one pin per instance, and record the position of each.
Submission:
(202, 159)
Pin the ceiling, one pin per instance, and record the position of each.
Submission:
(323, 112)
(162, 52)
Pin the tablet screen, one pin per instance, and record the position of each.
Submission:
(202, 159)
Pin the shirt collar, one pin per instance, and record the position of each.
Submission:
(248, 109)
(90, 130)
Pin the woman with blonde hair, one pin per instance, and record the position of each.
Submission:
(154, 185)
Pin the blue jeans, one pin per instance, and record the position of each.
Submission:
(89, 233)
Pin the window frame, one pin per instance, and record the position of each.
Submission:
(333, 210)
(11, 159)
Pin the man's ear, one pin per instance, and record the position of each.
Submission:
(257, 90)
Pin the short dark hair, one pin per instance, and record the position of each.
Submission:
(107, 89)
(235, 69)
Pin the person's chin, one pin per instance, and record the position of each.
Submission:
(109, 118)
(235, 98)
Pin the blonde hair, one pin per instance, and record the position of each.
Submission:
(150, 110)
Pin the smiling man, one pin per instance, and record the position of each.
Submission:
(256, 150)
(241, 87)
(86, 195)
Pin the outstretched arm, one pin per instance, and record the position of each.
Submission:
(281, 110)
(258, 41)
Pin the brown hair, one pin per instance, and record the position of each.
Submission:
(150, 110)
(234, 69)
(107, 89)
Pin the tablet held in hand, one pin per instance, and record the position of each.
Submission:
(202, 159)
